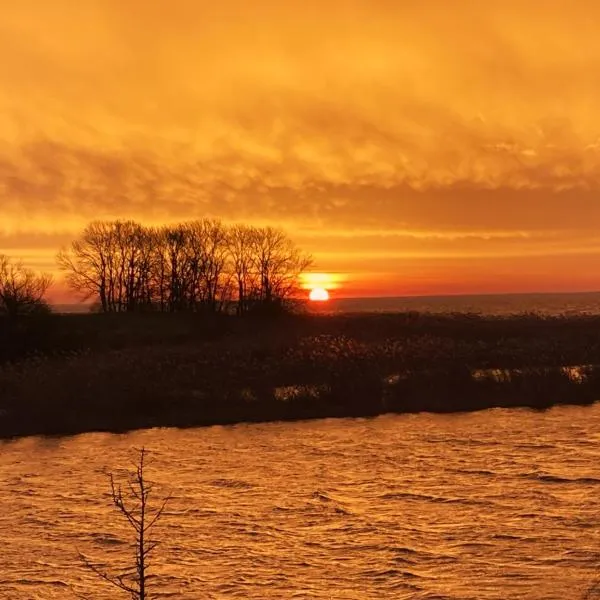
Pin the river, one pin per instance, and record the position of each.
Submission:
(497, 504)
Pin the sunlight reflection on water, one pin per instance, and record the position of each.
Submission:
(497, 504)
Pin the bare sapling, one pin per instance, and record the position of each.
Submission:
(132, 500)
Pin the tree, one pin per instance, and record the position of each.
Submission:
(241, 243)
(173, 257)
(112, 263)
(131, 260)
(265, 265)
(134, 506)
(88, 264)
(278, 264)
(208, 262)
(22, 290)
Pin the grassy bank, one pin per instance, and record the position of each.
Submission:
(75, 373)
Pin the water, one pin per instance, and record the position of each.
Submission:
(498, 504)
(495, 304)
(492, 304)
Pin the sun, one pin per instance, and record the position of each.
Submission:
(318, 294)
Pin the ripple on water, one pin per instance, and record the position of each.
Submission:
(494, 505)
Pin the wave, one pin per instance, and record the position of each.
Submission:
(564, 480)
(434, 499)
(231, 483)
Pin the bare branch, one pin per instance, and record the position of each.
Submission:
(117, 581)
(135, 508)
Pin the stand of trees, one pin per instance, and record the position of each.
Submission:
(22, 290)
(201, 265)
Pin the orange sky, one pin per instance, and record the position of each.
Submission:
(412, 147)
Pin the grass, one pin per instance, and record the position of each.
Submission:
(74, 373)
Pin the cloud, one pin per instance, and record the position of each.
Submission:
(338, 117)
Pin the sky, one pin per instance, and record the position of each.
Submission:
(432, 147)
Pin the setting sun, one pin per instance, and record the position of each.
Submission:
(318, 295)
(320, 284)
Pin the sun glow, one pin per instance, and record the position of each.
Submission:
(318, 295)
(326, 281)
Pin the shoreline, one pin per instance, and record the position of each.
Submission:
(11, 434)
(447, 393)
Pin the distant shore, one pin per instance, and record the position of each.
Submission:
(546, 303)
(69, 374)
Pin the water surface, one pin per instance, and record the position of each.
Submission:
(498, 504)
(572, 303)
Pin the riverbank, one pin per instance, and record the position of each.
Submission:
(77, 373)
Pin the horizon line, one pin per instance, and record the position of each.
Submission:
(416, 296)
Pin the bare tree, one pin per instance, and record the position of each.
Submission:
(134, 506)
(208, 259)
(22, 290)
(132, 255)
(241, 244)
(111, 262)
(278, 263)
(88, 264)
(177, 260)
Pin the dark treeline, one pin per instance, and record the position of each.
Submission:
(197, 266)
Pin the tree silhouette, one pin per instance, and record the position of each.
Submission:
(134, 506)
(202, 265)
(22, 290)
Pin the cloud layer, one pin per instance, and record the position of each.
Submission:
(377, 131)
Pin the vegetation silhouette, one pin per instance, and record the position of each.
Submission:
(22, 290)
(116, 372)
(169, 350)
(200, 266)
(134, 506)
